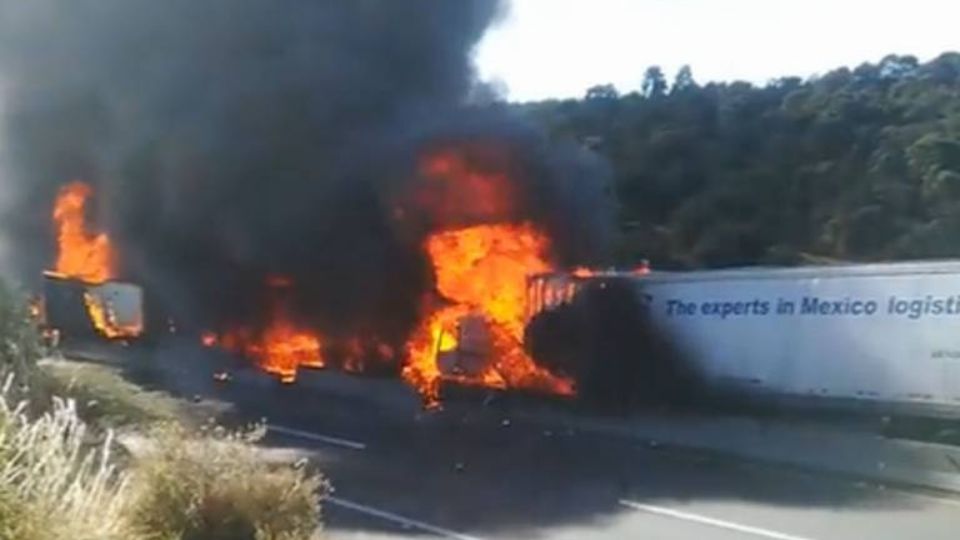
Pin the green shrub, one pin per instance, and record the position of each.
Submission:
(218, 488)
(19, 341)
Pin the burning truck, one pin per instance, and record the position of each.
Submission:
(301, 184)
(471, 328)
(498, 314)
(80, 297)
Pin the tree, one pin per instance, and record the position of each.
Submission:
(683, 80)
(602, 91)
(897, 67)
(654, 83)
(857, 164)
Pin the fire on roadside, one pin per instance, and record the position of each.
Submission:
(81, 254)
(86, 256)
(480, 274)
(480, 271)
(282, 347)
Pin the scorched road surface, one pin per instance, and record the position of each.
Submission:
(484, 480)
(473, 471)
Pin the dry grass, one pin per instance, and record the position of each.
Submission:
(104, 398)
(55, 485)
(218, 488)
(60, 476)
(52, 484)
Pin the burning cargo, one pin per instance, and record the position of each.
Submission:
(333, 195)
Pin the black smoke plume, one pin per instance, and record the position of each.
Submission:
(620, 358)
(231, 140)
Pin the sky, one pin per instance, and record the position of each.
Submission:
(559, 48)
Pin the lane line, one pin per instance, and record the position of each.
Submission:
(946, 500)
(346, 443)
(390, 516)
(686, 516)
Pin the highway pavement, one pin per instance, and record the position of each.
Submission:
(485, 480)
(476, 470)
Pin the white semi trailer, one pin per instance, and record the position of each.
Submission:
(887, 334)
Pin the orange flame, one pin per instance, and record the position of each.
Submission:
(435, 335)
(85, 255)
(281, 348)
(483, 270)
(583, 272)
(81, 254)
(105, 321)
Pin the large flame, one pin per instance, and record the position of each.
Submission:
(482, 270)
(81, 254)
(88, 256)
(282, 347)
(481, 258)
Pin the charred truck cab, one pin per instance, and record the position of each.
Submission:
(82, 310)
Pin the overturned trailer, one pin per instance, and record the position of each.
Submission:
(885, 336)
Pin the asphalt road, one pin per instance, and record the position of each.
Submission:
(483, 479)
(475, 472)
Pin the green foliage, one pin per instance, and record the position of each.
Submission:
(19, 341)
(860, 164)
(602, 91)
(683, 80)
(654, 83)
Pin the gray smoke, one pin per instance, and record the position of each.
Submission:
(229, 140)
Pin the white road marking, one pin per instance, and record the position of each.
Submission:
(686, 516)
(389, 516)
(933, 499)
(346, 443)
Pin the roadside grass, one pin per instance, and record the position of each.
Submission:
(19, 342)
(63, 474)
(105, 398)
(219, 488)
(53, 483)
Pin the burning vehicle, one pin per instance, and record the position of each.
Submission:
(309, 186)
(112, 310)
(471, 328)
(80, 296)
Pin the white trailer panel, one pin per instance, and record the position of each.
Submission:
(124, 303)
(887, 332)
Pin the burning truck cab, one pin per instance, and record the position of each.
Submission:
(81, 298)
(77, 308)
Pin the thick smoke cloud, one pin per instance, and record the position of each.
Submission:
(228, 140)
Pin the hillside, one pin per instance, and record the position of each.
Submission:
(860, 164)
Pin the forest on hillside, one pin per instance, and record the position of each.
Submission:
(855, 165)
